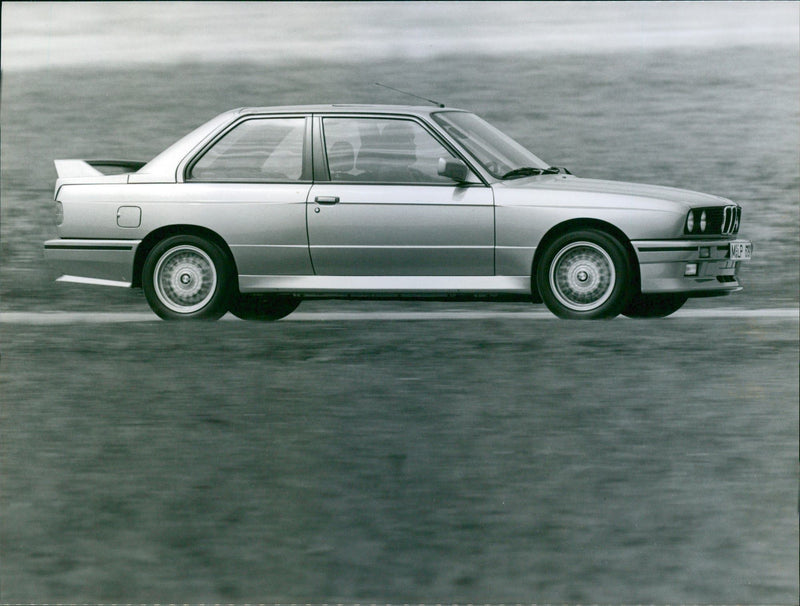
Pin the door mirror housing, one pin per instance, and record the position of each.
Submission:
(454, 169)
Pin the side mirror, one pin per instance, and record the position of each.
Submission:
(454, 169)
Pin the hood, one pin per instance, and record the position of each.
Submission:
(567, 183)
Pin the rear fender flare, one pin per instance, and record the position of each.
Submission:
(155, 236)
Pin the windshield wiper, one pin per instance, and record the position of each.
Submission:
(528, 171)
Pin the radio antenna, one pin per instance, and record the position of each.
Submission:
(410, 94)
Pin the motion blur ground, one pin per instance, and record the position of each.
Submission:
(490, 460)
(459, 461)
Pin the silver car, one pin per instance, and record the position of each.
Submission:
(262, 207)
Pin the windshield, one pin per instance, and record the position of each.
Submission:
(495, 151)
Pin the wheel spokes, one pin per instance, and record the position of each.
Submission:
(582, 276)
(185, 279)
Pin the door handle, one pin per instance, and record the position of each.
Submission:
(327, 199)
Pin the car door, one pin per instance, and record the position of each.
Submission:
(382, 209)
(250, 185)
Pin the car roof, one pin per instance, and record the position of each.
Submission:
(347, 108)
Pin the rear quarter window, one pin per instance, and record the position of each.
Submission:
(262, 149)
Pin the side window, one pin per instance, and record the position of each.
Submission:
(382, 150)
(262, 149)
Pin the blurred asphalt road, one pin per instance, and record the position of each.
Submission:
(494, 459)
(78, 317)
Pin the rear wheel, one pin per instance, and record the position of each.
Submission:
(584, 274)
(654, 305)
(263, 307)
(187, 277)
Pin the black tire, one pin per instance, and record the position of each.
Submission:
(585, 275)
(187, 277)
(263, 307)
(654, 305)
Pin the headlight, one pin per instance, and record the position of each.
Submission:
(690, 222)
(703, 221)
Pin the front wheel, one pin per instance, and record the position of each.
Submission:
(263, 307)
(654, 305)
(187, 277)
(585, 274)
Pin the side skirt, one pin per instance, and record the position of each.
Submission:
(392, 287)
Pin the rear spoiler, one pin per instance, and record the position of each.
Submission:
(86, 168)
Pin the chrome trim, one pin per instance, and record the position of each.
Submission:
(727, 219)
(730, 220)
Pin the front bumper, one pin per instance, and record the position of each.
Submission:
(107, 262)
(663, 266)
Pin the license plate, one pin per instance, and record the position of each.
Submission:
(741, 251)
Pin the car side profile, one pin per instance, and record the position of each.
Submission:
(260, 208)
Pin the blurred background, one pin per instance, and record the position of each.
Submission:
(405, 461)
